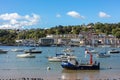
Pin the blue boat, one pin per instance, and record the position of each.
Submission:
(69, 66)
(74, 65)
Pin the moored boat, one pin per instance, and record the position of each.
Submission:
(33, 51)
(3, 51)
(69, 66)
(54, 59)
(61, 57)
(28, 55)
(17, 50)
(113, 51)
(74, 65)
(102, 55)
(93, 51)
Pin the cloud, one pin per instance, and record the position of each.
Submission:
(16, 21)
(58, 15)
(103, 15)
(75, 14)
(7, 16)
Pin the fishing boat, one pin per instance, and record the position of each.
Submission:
(28, 55)
(73, 64)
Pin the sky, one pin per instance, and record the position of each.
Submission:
(27, 14)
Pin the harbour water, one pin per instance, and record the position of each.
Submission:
(12, 67)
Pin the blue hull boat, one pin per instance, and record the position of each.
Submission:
(69, 66)
(73, 64)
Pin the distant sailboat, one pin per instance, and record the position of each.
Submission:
(114, 50)
(18, 49)
(103, 54)
(92, 50)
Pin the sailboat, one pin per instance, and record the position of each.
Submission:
(18, 49)
(114, 50)
(103, 54)
(61, 56)
(92, 50)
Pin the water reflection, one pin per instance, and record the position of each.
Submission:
(80, 74)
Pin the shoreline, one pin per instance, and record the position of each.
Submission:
(59, 75)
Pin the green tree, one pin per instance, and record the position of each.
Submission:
(116, 32)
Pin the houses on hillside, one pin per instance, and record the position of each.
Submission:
(83, 39)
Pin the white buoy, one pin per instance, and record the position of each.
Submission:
(48, 68)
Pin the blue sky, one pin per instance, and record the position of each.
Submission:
(50, 13)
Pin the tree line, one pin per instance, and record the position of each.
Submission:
(9, 36)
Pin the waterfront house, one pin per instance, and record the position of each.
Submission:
(26, 42)
(74, 42)
(46, 41)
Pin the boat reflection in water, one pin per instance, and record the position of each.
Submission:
(79, 74)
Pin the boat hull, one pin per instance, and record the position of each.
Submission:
(54, 60)
(33, 52)
(25, 56)
(113, 52)
(69, 66)
(103, 55)
(17, 50)
(3, 52)
(57, 59)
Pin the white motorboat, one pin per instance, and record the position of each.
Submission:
(54, 59)
(93, 51)
(28, 55)
(61, 57)
(3, 51)
(113, 51)
(103, 55)
(17, 50)
(33, 51)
